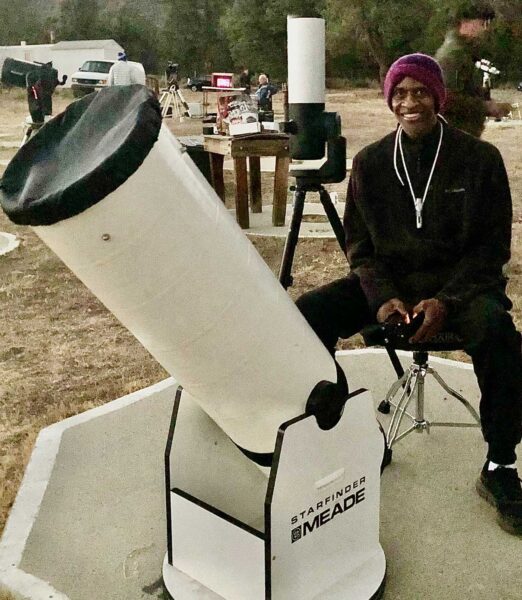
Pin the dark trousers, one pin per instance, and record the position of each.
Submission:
(340, 309)
(35, 109)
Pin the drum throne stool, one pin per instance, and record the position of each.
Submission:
(409, 389)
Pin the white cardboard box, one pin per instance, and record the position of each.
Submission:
(244, 128)
(270, 126)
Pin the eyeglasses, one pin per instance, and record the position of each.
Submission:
(420, 93)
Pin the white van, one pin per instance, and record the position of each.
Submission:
(93, 75)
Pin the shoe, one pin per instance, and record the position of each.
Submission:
(502, 488)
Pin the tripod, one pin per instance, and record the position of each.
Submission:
(304, 185)
(172, 103)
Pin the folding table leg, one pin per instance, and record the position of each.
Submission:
(216, 170)
(280, 190)
(242, 217)
(255, 184)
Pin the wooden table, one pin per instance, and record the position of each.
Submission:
(251, 147)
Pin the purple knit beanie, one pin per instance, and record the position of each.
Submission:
(421, 67)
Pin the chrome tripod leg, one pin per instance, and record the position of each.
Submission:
(455, 394)
(401, 406)
(420, 421)
(395, 387)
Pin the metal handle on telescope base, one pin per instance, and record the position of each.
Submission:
(166, 458)
(327, 399)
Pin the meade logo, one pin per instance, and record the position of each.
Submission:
(341, 501)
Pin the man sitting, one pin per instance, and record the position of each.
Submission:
(428, 231)
(264, 93)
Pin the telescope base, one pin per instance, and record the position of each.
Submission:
(186, 588)
(234, 534)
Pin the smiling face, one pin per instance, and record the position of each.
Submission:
(414, 107)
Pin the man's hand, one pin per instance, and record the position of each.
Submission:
(435, 313)
(393, 311)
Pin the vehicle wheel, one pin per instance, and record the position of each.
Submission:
(194, 88)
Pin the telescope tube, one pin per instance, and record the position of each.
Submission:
(109, 189)
(14, 72)
(306, 93)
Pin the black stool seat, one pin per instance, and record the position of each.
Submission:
(397, 338)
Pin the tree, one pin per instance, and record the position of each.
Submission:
(20, 24)
(256, 32)
(79, 20)
(507, 39)
(136, 34)
(388, 28)
(193, 36)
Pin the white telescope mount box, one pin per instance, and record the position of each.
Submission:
(309, 531)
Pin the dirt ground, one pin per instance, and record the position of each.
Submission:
(62, 352)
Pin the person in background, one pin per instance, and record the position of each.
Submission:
(467, 104)
(428, 232)
(122, 73)
(245, 80)
(264, 93)
(40, 85)
(171, 74)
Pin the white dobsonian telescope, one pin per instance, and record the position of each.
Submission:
(273, 486)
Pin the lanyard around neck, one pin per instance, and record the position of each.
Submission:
(419, 202)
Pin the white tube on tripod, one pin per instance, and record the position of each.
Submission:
(306, 60)
(306, 96)
(168, 260)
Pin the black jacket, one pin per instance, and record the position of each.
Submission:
(465, 239)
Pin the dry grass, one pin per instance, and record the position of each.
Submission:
(61, 352)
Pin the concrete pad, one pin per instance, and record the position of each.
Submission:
(315, 223)
(8, 242)
(89, 519)
(440, 537)
(89, 522)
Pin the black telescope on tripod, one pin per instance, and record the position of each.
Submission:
(487, 67)
(314, 132)
(171, 73)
